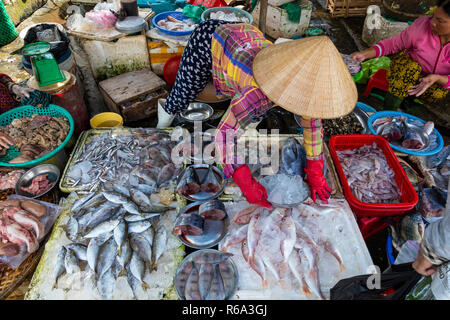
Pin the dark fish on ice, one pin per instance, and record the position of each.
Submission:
(214, 210)
(293, 158)
(189, 224)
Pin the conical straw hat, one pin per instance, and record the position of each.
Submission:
(306, 77)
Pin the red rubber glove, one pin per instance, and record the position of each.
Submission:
(316, 180)
(253, 191)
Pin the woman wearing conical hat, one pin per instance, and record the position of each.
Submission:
(306, 77)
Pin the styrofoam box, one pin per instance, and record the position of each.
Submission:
(278, 24)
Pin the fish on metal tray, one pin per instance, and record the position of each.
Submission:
(211, 257)
(205, 277)
(210, 183)
(228, 277)
(182, 276)
(394, 131)
(217, 290)
(189, 224)
(189, 183)
(192, 290)
(213, 209)
(293, 158)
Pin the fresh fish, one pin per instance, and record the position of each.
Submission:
(93, 249)
(166, 173)
(298, 271)
(135, 285)
(159, 245)
(79, 250)
(80, 202)
(210, 183)
(217, 291)
(428, 127)
(131, 207)
(106, 256)
(71, 229)
(244, 250)
(309, 261)
(254, 234)
(205, 277)
(189, 224)
(133, 180)
(139, 226)
(83, 221)
(192, 286)
(18, 235)
(147, 189)
(189, 183)
(104, 212)
(106, 284)
(124, 191)
(94, 201)
(103, 227)
(394, 130)
(244, 216)
(71, 262)
(125, 253)
(413, 140)
(228, 277)
(289, 236)
(432, 202)
(213, 209)
(60, 266)
(140, 198)
(328, 246)
(137, 267)
(211, 257)
(140, 217)
(120, 233)
(117, 269)
(141, 246)
(182, 277)
(293, 158)
(115, 197)
(236, 237)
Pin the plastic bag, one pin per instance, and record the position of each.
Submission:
(59, 42)
(371, 66)
(393, 285)
(440, 285)
(102, 18)
(194, 11)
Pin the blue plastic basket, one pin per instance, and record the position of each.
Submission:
(365, 107)
(177, 15)
(28, 111)
(426, 152)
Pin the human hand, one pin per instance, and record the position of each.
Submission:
(316, 181)
(359, 56)
(423, 86)
(253, 191)
(423, 266)
(21, 92)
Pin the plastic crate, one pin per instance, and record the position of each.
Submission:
(409, 196)
(28, 111)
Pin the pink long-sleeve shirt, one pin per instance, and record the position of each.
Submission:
(421, 45)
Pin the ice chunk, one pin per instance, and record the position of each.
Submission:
(285, 189)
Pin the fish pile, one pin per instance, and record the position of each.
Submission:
(368, 175)
(209, 276)
(117, 233)
(353, 66)
(141, 159)
(293, 158)
(8, 180)
(432, 202)
(37, 135)
(228, 16)
(276, 243)
(20, 224)
(395, 129)
(39, 185)
(190, 183)
(192, 223)
(439, 167)
(173, 24)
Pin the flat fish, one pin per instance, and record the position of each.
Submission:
(290, 236)
(211, 257)
(244, 216)
(106, 284)
(228, 277)
(189, 183)
(328, 246)
(213, 209)
(293, 158)
(210, 183)
(189, 224)
(182, 277)
(206, 274)
(60, 267)
(192, 286)
(217, 291)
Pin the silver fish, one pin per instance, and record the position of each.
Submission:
(106, 284)
(131, 208)
(182, 277)
(140, 217)
(125, 253)
(205, 274)
(72, 229)
(135, 285)
(159, 244)
(105, 212)
(192, 291)
(93, 249)
(106, 256)
(79, 250)
(141, 246)
(117, 269)
(71, 262)
(166, 173)
(80, 202)
(120, 233)
(60, 265)
(140, 198)
(147, 189)
(94, 201)
(217, 291)
(115, 197)
(103, 227)
(148, 234)
(228, 277)
(139, 226)
(121, 190)
(137, 267)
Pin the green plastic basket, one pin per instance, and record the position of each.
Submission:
(28, 111)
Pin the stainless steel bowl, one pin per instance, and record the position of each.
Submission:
(201, 170)
(213, 230)
(26, 179)
(425, 137)
(190, 257)
(197, 111)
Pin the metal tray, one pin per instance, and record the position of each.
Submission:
(201, 170)
(197, 111)
(420, 132)
(26, 179)
(213, 230)
(190, 257)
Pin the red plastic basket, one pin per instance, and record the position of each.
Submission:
(409, 196)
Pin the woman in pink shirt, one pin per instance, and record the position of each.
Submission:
(421, 65)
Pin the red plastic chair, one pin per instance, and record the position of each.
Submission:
(378, 80)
